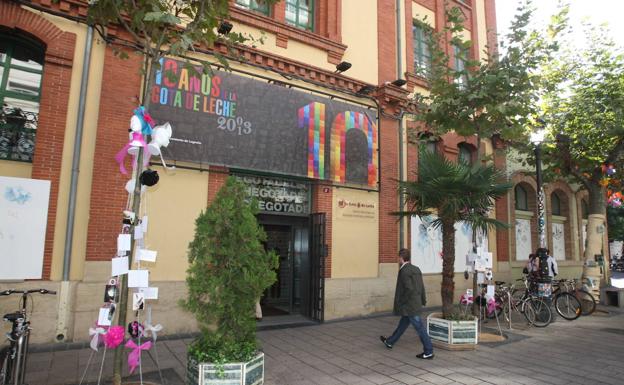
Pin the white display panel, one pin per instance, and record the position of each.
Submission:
(23, 221)
(427, 245)
(524, 245)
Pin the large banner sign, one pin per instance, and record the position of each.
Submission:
(241, 122)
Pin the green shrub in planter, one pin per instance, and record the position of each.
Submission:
(229, 269)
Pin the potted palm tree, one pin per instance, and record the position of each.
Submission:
(228, 271)
(454, 192)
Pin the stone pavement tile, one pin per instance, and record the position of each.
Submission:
(350, 378)
(377, 378)
(326, 380)
(407, 378)
(463, 379)
(434, 378)
(328, 368)
(384, 369)
(439, 370)
(409, 369)
(37, 378)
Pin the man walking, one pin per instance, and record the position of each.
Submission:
(409, 298)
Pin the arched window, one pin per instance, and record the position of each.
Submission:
(584, 209)
(465, 153)
(427, 146)
(21, 70)
(522, 202)
(555, 204)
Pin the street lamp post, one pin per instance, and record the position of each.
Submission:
(537, 138)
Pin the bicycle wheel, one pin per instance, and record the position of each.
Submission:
(588, 302)
(537, 312)
(5, 366)
(568, 306)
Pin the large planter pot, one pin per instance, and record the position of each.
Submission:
(237, 373)
(452, 335)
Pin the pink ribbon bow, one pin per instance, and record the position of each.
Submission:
(491, 305)
(134, 358)
(137, 141)
(465, 299)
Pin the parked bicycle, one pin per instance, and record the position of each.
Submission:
(566, 304)
(13, 357)
(581, 293)
(509, 299)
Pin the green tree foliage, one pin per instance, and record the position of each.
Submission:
(584, 114)
(229, 269)
(497, 96)
(454, 192)
(615, 217)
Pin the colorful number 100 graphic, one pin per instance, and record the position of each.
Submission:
(312, 118)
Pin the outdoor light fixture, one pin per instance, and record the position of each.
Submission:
(537, 137)
(225, 27)
(399, 82)
(365, 89)
(342, 67)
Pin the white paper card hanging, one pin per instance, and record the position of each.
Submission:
(144, 223)
(138, 300)
(119, 266)
(480, 278)
(147, 255)
(103, 319)
(149, 292)
(488, 260)
(123, 242)
(138, 278)
(490, 291)
(138, 232)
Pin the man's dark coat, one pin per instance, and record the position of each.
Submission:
(409, 296)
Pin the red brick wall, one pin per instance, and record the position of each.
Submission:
(388, 136)
(502, 213)
(490, 23)
(53, 105)
(216, 180)
(121, 84)
(322, 196)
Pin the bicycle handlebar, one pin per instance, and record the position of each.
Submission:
(40, 291)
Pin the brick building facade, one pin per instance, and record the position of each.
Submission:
(360, 250)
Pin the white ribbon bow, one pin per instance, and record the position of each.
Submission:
(95, 340)
(148, 327)
(153, 329)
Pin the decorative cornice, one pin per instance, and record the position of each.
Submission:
(288, 66)
(284, 32)
(393, 99)
(414, 80)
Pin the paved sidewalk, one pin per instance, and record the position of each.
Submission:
(586, 351)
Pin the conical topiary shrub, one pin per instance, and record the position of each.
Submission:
(228, 271)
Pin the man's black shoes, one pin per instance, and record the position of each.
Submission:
(425, 356)
(385, 342)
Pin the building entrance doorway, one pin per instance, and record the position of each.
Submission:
(296, 290)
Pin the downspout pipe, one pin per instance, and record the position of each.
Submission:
(71, 210)
(401, 128)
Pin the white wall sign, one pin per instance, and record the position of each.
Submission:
(523, 239)
(427, 245)
(23, 221)
(558, 237)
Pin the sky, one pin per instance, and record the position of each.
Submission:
(597, 11)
